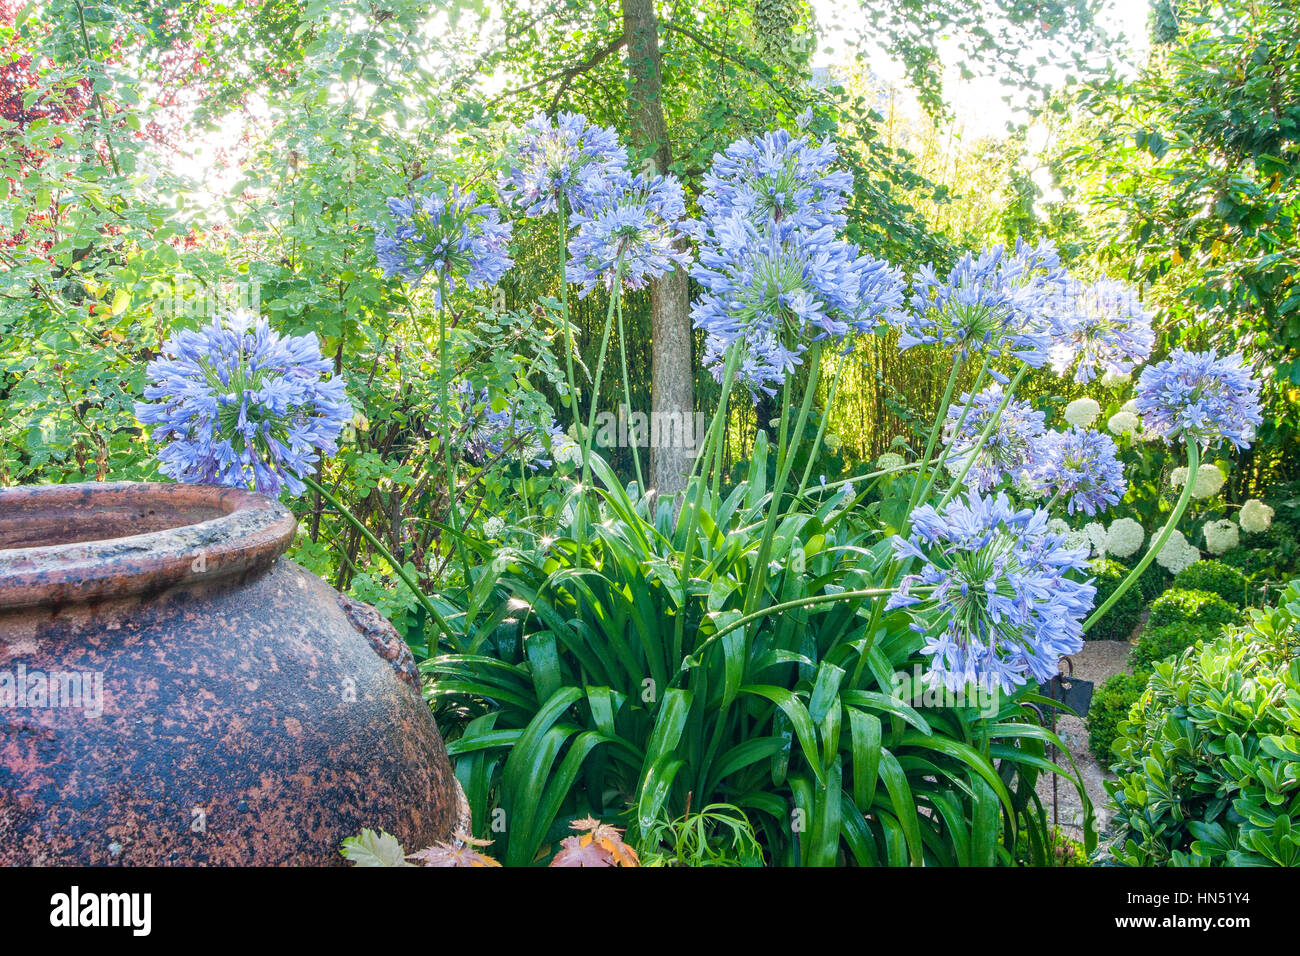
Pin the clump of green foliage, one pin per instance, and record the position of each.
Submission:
(1119, 621)
(1110, 705)
(1062, 850)
(1217, 578)
(717, 835)
(1182, 607)
(1207, 759)
(1158, 643)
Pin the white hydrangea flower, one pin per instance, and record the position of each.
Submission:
(1082, 412)
(493, 526)
(1123, 423)
(1078, 541)
(1058, 526)
(1177, 554)
(1124, 537)
(1110, 378)
(1209, 480)
(1255, 516)
(890, 460)
(1096, 532)
(1220, 536)
(567, 452)
(1131, 406)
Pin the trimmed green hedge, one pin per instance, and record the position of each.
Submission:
(1215, 577)
(1158, 643)
(1180, 607)
(1120, 620)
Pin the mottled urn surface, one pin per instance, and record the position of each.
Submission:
(250, 714)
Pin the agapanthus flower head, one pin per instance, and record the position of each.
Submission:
(763, 362)
(1103, 327)
(778, 181)
(236, 404)
(1255, 516)
(1082, 467)
(1008, 452)
(995, 303)
(1200, 397)
(449, 234)
(775, 270)
(566, 159)
(488, 429)
(773, 295)
(993, 596)
(631, 233)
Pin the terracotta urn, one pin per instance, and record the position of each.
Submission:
(174, 691)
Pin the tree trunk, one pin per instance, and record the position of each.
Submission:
(672, 383)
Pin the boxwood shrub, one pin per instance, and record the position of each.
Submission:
(1120, 620)
(1177, 606)
(1110, 705)
(1158, 643)
(1207, 758)
(1215, 577)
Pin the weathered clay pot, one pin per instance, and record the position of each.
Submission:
(250, 715)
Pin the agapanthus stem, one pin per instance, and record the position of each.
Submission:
(444, 372)
(692, 515)
(983, 437)
(383, 552)
(956, 430)
(871, 477)
(809, 601)
(572, 397)
(821, 428)
(1157, 543)
(627, 399)
(615, 293)
(784, 460)
(935, 430)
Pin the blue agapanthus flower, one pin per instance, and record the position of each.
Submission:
(995, 303)
(776, 272)
(1103, 327)
(488, 429)
(236, 404)
(566, 159)
(1009, 451)
(763, 362)
(1082, 467)
(1200, 397)
(993, 596)
(452, 236)
(779, 181)
(631, 234)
